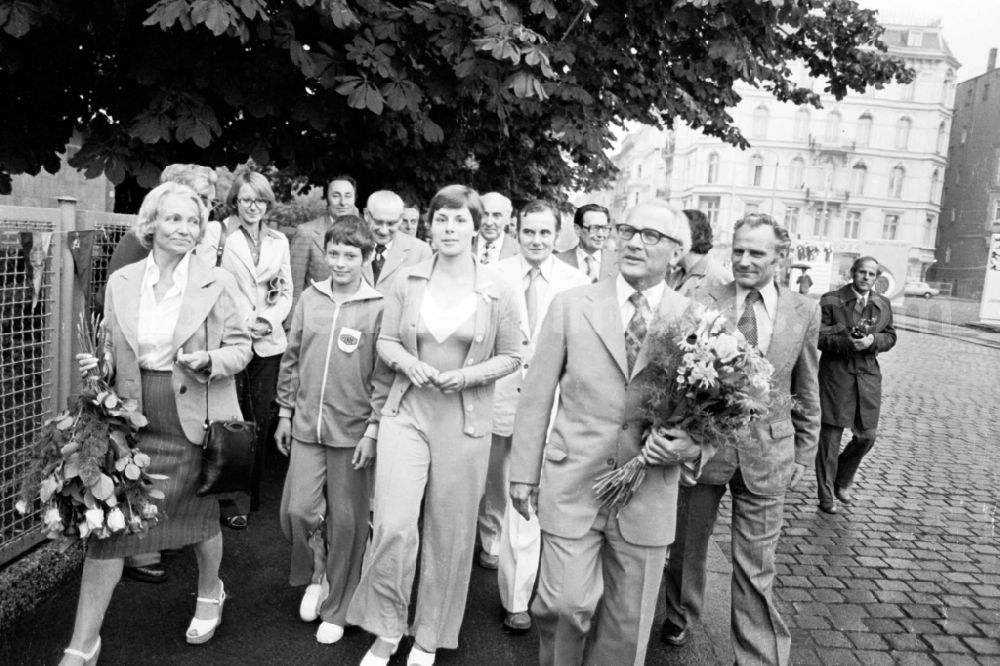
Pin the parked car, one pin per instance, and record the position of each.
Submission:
(920, 289)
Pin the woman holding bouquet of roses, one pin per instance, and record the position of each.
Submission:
(174, 332)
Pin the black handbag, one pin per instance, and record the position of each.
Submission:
(227, 456)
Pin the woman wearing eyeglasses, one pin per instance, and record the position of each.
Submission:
(259, 259)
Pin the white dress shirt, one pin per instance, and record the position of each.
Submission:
(493, 252)
(581, 262)
(157, 320)
(653, 296)
(764, 310)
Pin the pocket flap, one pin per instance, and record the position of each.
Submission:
(554, 454)
(782, 429)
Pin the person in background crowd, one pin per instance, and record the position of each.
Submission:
(331, 391)
(804, 281)
(785, 327)
(592, 224)
(697, 271)
(308, 257)
(856, 328)
(491, 244)
(591, 348)
(410, 222)
(156, 312)
(449, 331)
(508, 540)
(393, 251)
(258, 257)
(146, 568)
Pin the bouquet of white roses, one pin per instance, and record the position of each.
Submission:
(702, 377)
(84, 466)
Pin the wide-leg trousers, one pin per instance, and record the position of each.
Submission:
(427, 459)
(322, 487)
(836, 468)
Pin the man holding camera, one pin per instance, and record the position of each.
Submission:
(856, 327)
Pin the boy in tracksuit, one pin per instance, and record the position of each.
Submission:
(331, 388)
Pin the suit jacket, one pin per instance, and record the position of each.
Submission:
(307, 255)
(785, 435)
(598, 424)
(253, 282)
(850, 382)
(405, 251)
(609, 261)
(508, 246)
(209, 297)
(495, 350)
(561, 278)
(706, 274)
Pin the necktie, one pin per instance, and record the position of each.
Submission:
(485, 257)
(635, 333)
(531, 298)
(859, 310)
(591, 273)
(747, 324)
(378, 261)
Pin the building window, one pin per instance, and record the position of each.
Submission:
(942, 138)
(996, 210)
(797, 174)
(713, 168)
(852, 223)
(896, 177)
(986, 91)
(947, 255)
(792, 220)
(858, 175)
(638, 171)
(757, 171)
(903, 127)
(889, 226)
(635, 199)
(929, 231)
(800, 131)
(821, 223)
(965, 135)
(831, 134)
(948, 88)
(710, 207)
(935, 177)
(864, 134)
(760, 117)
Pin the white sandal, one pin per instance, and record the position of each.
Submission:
(371, 660)
(89, 658)
(418, 657)
(329, 633)
(201, 631)
(312, 599)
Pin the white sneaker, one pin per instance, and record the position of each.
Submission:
(329, 633)
(312, 599)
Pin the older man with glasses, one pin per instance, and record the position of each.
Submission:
(592, 224)
(393, 250)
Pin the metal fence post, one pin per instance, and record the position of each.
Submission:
(66, 311)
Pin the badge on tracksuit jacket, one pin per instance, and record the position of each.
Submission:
(348, 339)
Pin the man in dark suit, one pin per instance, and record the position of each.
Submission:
(592, 224)
(784, 326)
(597, 562)
(857, 326)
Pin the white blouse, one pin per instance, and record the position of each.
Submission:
(441, 322)
(157, 321)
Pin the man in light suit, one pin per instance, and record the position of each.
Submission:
(591, 348)
(857, 327)
(592, 224)
(308, 256)
(785, 327)
(509, 541)
(393, 251)
(492, 244)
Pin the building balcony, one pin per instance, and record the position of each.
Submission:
(839, 149)
(828, 195)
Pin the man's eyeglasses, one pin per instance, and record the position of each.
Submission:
(597, 229)
(648, 236)
(275, 288)
(248, 202)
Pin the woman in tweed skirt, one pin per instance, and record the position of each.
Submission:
(158, 313)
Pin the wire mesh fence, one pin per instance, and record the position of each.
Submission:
(27, 320)
(107, 235)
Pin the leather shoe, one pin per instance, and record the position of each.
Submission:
(844, 495)
(517, 622)
(673, 635)
(488, 561)
(238, 522)
(153, 573)
(828, 507)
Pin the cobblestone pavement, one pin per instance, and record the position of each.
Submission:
(910, 573)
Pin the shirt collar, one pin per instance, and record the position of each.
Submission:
(653, 295)
(581, 254)
(859, 296)
(544, 268)
(151, 275)
(481, 241)
(386, 247)
(768, 293)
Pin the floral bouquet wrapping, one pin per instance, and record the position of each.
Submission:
(84, 465)
(703, 378)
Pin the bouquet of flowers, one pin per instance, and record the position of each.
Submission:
(702, 378)
(84, 465)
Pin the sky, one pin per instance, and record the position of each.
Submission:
(971, 27)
